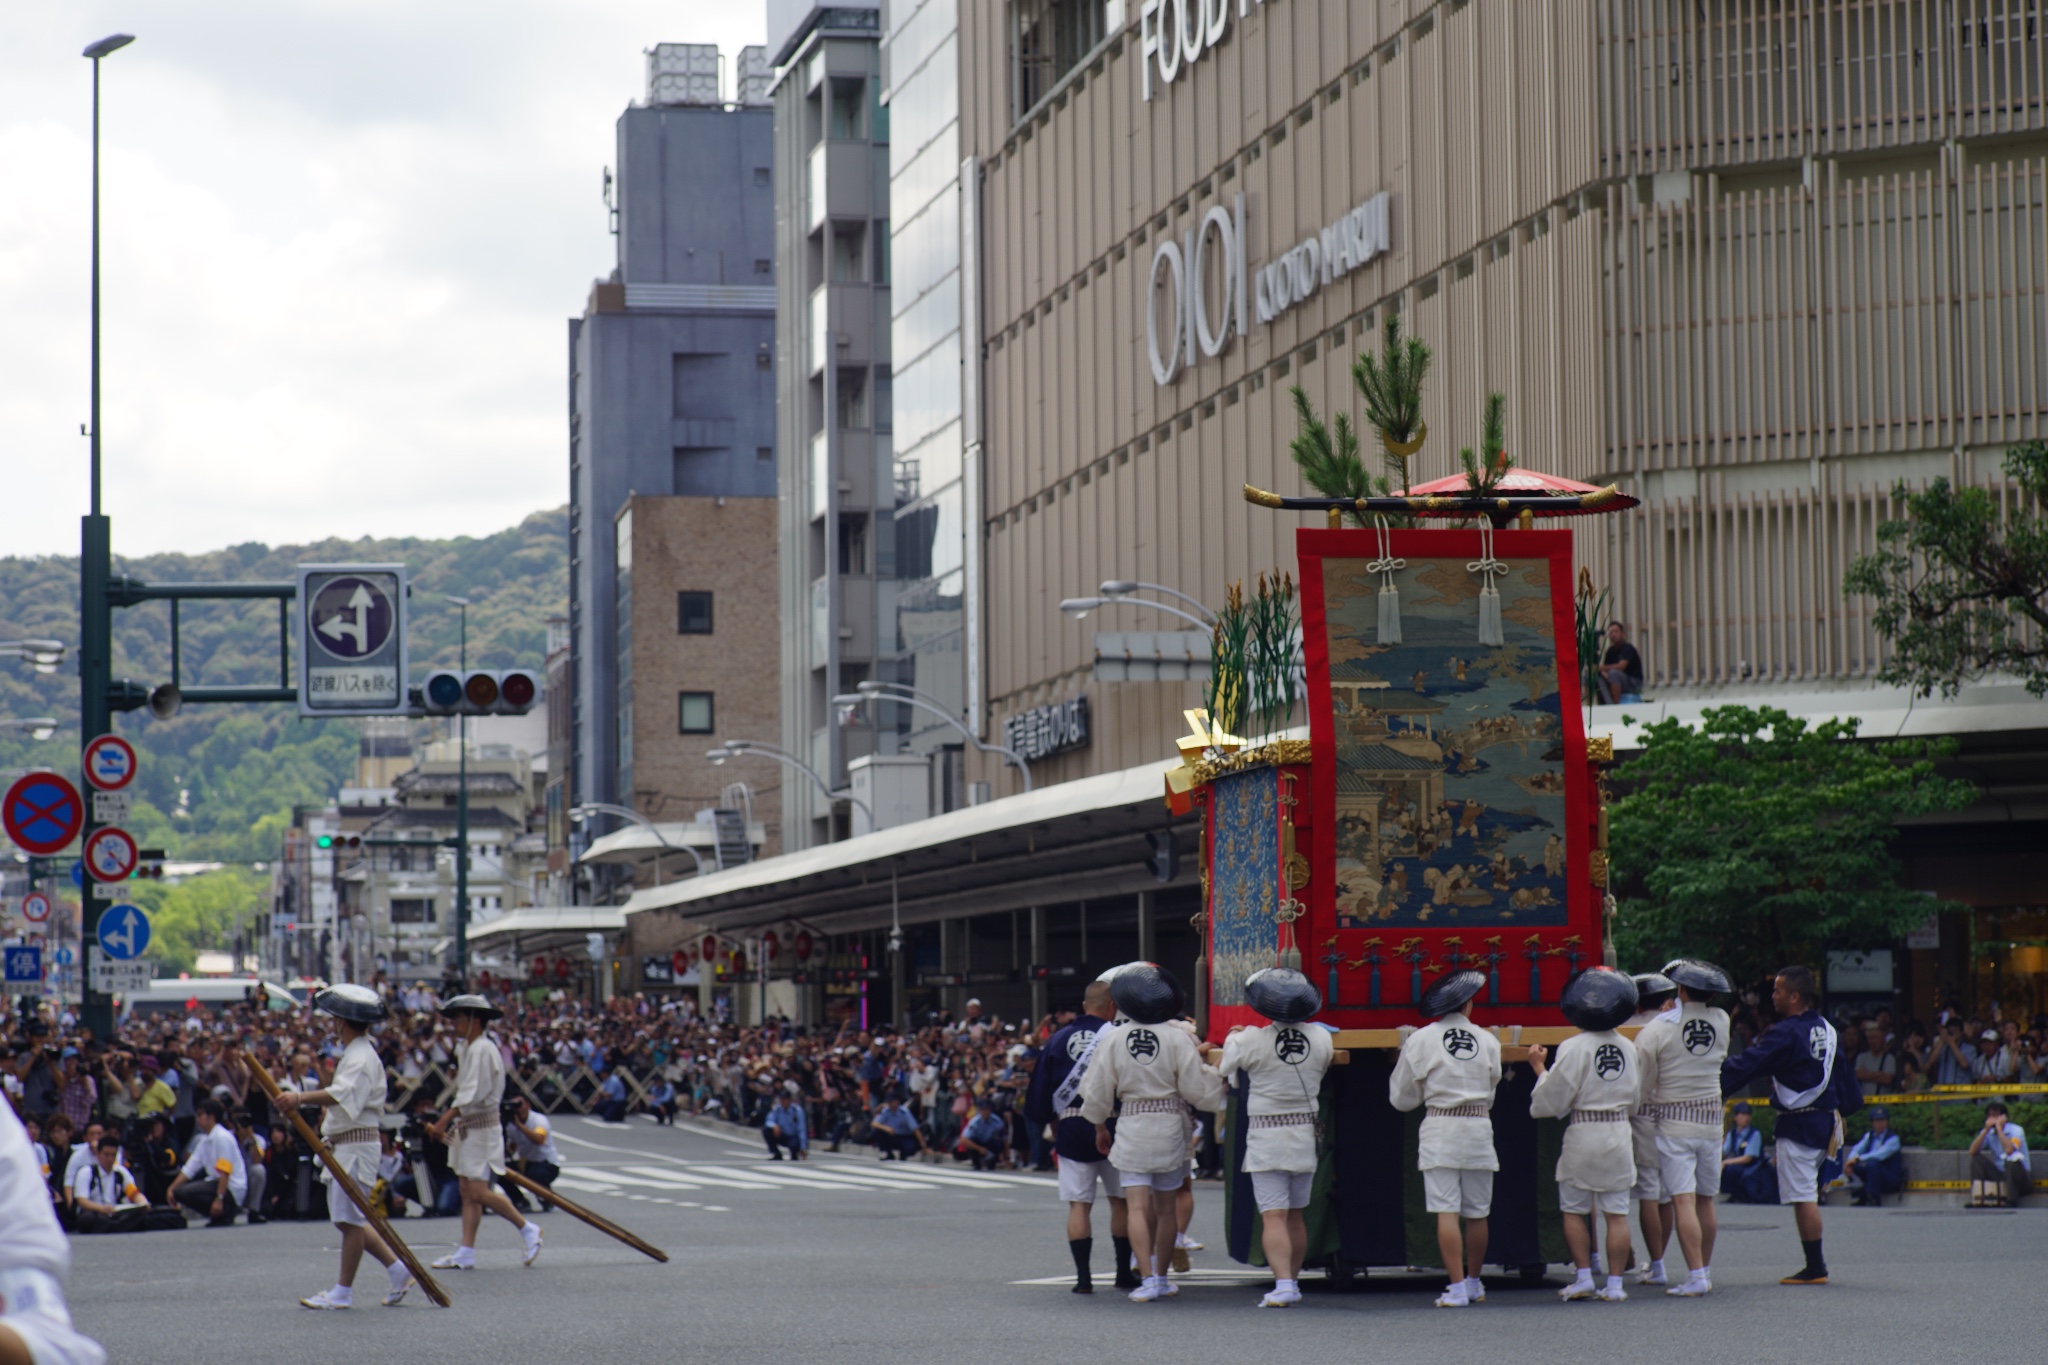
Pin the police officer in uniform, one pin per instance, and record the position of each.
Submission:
(1811, 1091)
(1681, 1059)
(1284, 1062)
(477, 1152)
(1054, 1098)
(1656, 997)
(1450, 1069)
(1149, 1072)
(1595, 1081)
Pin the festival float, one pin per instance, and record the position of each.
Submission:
(1444, 809)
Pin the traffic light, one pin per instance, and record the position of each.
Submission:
(338, 841)
(149, 862)
(1165, 858)
(480, 692)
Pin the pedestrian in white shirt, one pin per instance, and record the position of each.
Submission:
(1450, 1069)
(354, 1101)
(1656, 1005)
(214, 1179)
(1595, 1081)
(1284, 1063)
(35, 1322)
(477, 1152)
(1681, 1083)
(103, 1195)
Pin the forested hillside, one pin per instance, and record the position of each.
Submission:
(219, 782)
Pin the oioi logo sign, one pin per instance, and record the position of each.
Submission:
(1182, 269)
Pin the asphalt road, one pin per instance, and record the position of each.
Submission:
(846, 1258)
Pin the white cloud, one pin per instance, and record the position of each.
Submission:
(340, 245)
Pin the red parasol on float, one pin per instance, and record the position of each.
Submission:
(1575, 499)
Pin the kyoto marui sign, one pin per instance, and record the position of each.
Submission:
(1182, 271)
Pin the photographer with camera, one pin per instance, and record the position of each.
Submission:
(533, 1151)
(2001, 1170)
(478, 1151)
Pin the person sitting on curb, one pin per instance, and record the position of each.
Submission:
(1874, 1167)
(2001, 1171)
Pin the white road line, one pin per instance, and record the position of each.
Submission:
(667, 1180)
(781, 1178)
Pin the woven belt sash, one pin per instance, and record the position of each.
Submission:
(349, 1135)
(475, 1123)
(1599, 1116)
(1689, 1111)
(1172, 1106)
(1300, 1118)
(1073, 1113)
(1475, 1109)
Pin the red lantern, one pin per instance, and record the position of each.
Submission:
(679, 961)
(710, 946)
(539, 968)
(803, 945)
(771, 945)
(561, 969)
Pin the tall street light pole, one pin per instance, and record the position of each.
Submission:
(462, 813)
(95, 565)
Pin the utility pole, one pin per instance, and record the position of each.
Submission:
(95, 612)
(462, 815)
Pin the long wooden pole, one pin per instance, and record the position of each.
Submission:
(348, 1185)
(604, 1225)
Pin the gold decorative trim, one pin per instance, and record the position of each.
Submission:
(1280, 753)
(1404, 449)
(1297, 871)
(1600, 749)
(1596, 866)
(1261, 497)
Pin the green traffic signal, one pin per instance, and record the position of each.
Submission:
(324, 841)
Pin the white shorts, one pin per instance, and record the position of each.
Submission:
(1572, 1199)
(1689, 1165)
(1649, 1188)
(1079, 1178)
(1448, 1189)
(36, 1310)
(1798, 1172)
(1278, 1191)
(478, 1154)
(359, 1159)
(1166, 1182)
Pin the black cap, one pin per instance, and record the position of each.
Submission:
(1742, 1107)
(356, 1004)
(1698, 974)
(1283, 995)
(1147, 993)
(1653, 988)
(1598, 999)
(1452, 991)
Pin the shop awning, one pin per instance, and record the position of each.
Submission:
(538, 928)
(638, 845)
(1071, 842)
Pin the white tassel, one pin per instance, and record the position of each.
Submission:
(1488, 568)
(1390, 596)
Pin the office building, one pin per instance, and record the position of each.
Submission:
(671, 389)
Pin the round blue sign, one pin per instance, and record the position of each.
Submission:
(123, 932)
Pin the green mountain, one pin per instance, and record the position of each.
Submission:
(219, 782)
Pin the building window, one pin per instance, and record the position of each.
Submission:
(693, 613)
(1048, 38)
(412, 910)
(849, 254)
(693, 713)
(848, 99)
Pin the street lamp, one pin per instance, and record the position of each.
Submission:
(910, 696)
(95, 567)
(588, 809)
(738, 748)
(35, 727)
(45, 655)
(1078, 607)
(1124, 587)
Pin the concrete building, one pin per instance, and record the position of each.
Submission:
(1755, 266)
(834, 390)
(671, 366)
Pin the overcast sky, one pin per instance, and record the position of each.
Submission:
(340, 242)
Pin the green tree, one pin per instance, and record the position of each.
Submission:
(199, 914)
(1961, 586)
(1757, 839)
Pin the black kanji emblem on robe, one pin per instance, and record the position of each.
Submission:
(1077, 1043)
(1143, 1043)
(1460, 1043)
(1698, 1035)
(1609, 1061)
(1290, 1045)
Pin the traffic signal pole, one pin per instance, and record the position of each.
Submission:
(462, 822)
(95, 619)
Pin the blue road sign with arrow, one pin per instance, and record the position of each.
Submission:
(123, 932)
